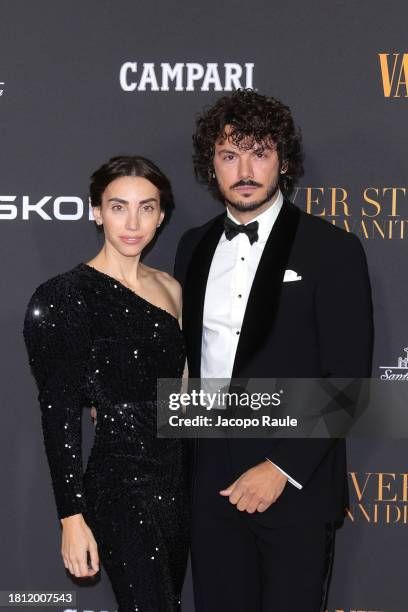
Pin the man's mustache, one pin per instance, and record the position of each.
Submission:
(247, 183)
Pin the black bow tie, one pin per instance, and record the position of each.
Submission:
(233, 229)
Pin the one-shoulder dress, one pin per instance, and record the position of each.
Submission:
(93, 342)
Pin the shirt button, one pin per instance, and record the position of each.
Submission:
(240, 295)
(237, 333)
(242, 258)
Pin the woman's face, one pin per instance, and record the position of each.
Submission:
(130, 213)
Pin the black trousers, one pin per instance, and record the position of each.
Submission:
(241, 566)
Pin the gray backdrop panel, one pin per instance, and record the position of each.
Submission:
(63, 112)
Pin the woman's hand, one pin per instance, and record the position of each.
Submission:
(93, 415)
(77, 540)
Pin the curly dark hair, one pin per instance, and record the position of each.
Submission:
(254, 117)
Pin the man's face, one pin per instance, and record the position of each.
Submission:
(248, 178)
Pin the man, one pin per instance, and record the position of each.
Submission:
(269, 291)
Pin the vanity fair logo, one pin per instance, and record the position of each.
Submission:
(351, 610)
(398, 371)
(374, 213)
(80, 610)
(378, 498)
(394, 74)
(185, 76)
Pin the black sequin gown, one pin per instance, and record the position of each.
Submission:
(93, 342)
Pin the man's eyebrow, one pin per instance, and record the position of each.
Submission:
(254, 149)
(148, 200)
(228, 151)
(120, 200)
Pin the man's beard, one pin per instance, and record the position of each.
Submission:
(243, 206)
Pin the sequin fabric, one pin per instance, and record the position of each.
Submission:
(91, 341)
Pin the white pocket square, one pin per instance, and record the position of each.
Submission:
(290, 276)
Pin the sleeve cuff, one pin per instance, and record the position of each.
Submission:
(291, 480)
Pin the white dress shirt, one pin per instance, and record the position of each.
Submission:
(229, 283)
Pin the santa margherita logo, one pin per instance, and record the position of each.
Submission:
(399, 371)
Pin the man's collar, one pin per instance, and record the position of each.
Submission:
(266, 219)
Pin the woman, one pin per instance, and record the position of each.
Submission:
(100, 335)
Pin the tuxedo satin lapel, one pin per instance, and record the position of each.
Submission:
(265, 292)
(194, 293)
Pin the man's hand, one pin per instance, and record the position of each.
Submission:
(257, 488)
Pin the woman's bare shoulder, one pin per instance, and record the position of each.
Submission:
(167, 282)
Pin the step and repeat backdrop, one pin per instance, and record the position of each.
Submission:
(81, 82)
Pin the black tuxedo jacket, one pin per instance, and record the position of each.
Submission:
(320, 326)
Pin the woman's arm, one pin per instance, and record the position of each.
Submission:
(56, 333)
